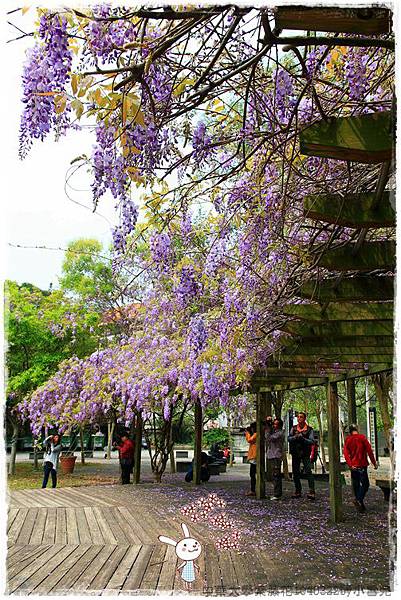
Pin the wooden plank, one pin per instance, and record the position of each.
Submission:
(23, 556)
(39, 527)
(355, 210)
(334, 454)
(362, 341)
(119, 576)
(86, 498)
(72, 526)
(97, 537)
(244, 577)
(213, 575)
(104, 575)
(82, 526)
(85, 559)
(20, 500)
(342, 311)
(228, 574)
(136, 574)
(363, 138)
(118, 530)
(351, 401)
(151, 575)
(337, 351)
(104, 527)
(344, 358)
(355, 289)
(11, 515)
(22, 577)
(15, 528)
(134, 523)
(27, 527)
(340, 329)
(52, 581)
(125, 525)
(370, 256)
(168, 571)
(50, 527)
(84, 580)
(367, 20)
(61, 527)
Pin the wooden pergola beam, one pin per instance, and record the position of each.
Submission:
(370, 256)
(340, 329)
(337, 351)
(362, 341)
(363, 138)
(368, 21)
(343, 358)
(355, 210)
(355, 289)
(338, 311)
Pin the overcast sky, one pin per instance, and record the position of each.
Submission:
(36, 209)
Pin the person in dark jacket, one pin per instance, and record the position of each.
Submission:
(301, 439)
(274, 453)
(50, 459)
(357, 448)
(126, 451)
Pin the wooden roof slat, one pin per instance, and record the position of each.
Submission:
(356, 289)
(341, 358)
(341, 311)
(362, 341)
(337, 351)
(340, 328)
(354, 210)
(368, 21)
(363, 138)
(370, 256)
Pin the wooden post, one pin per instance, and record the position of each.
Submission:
(267, 405)
(351, 401)
(261, 400)
(334, 454)
(198, 442)
(138, 449)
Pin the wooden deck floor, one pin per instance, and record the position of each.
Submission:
(91, 540)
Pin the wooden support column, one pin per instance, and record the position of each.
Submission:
(138, 449)
(198, 442)
(334, 454)
(262, 399)
(351, 401)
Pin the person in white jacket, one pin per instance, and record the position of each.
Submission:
(50, 459)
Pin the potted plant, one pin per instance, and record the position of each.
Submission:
(67, 461)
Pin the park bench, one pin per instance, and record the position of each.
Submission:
(386, 486)
(181, 453)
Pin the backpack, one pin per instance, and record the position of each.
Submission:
(314, 451)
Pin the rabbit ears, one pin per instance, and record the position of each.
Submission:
(167, 540)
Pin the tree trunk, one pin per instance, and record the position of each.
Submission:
(172, 459)
(35, 455)
(382, 383)
(110, 432)
(81, 438)
(137, 449)
(14, 441)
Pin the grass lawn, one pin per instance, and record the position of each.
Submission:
(26, 477)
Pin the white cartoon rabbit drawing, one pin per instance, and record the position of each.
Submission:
(187, 549)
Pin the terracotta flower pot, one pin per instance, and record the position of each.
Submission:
(67, 464)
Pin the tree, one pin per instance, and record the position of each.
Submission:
(42, 329)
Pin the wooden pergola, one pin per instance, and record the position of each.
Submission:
(342, 326)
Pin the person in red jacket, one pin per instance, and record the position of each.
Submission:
(356, 451)
(126, 451)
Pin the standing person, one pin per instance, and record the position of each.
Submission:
(357, 448)
(126, 451)
(274, 441)
(50, 459)
(301, 439)
(250, 434)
